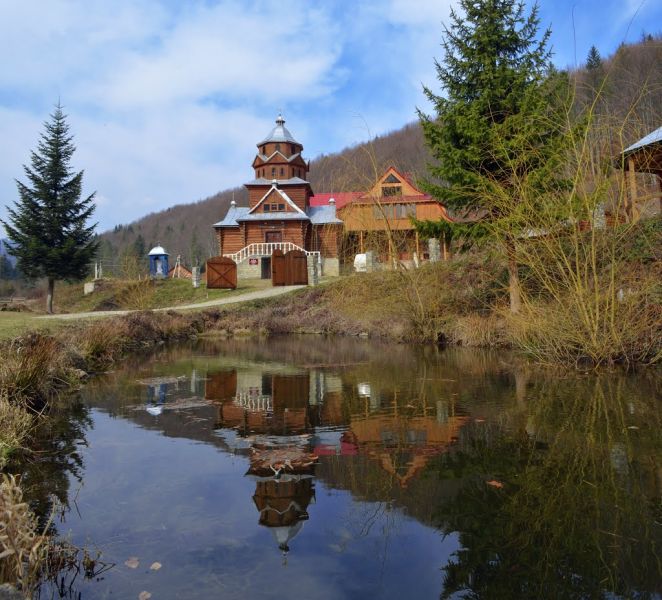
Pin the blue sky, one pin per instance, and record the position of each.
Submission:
(167, 98)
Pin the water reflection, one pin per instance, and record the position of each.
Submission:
(532, 486)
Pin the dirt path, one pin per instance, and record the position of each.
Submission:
(256, 295)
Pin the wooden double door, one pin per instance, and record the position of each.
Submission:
(290, 268)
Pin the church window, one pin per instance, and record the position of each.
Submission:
(293, 149)
(281, 207)
(277, 147)
(282, 171)
(273, 171)
(267, 208)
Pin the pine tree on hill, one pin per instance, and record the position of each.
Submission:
(593, 60)
(48, 225)
(492, 75)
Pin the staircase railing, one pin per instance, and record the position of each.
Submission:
(266, 249)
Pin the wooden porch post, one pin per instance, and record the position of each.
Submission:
(629, 205)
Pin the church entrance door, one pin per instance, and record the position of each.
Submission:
(273, 236)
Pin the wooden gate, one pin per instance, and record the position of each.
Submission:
(297, 267)
(221, 273)
(290, 268)
(278, 270)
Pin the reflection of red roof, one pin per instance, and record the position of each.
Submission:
(345, 449)
(341, 198)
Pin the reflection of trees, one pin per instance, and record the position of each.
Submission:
(576, 517)
(54, 459)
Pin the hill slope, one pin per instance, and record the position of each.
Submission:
(633, 95)
(4, 251)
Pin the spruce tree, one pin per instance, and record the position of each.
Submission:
(48, 226)
(494, 65)
(593, 60)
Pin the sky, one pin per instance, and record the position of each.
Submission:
(167, 98)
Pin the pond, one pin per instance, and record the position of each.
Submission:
(345, 468)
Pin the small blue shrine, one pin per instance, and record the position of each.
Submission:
(158, 262)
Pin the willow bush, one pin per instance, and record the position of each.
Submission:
(590, 285)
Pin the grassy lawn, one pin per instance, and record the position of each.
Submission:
(112, 294)
(13, 324)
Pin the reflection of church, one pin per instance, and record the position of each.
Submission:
(283, 505)
(288, 418)
(275, 403)
(277, 411)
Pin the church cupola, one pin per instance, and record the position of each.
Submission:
(279, 155)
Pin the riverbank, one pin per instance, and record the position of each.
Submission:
(463, 302)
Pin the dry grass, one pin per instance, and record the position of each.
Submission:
(33, 367)
(480, 331)
(15, 425)
(23, 548)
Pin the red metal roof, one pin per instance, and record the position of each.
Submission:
(341, 198)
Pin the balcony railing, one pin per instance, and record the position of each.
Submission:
(267, 249)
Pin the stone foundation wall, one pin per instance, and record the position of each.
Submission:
(330, 267)
(247, 271)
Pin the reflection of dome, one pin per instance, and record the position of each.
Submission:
(283, 507)
(283, 535)
(155, 410)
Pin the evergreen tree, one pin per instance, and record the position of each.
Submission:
(593, 60)
(492, 75)
(48, 224)
(139, 247)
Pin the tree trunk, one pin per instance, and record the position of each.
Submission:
(513, 279)
(49, 297)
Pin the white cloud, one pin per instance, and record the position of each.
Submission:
(167, 98)
(227, 51)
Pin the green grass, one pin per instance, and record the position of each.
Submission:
(176, 292)
(13, 324)
(130, 295)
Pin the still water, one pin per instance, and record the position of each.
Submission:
(308, 468)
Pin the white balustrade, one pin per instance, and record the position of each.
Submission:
(267, 249)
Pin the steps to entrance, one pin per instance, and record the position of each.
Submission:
(267, 249)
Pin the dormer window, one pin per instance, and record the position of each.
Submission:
(267, 208)
(391, 190)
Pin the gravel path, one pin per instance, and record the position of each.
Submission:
(256, 295)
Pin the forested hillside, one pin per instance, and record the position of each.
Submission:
(630, 105)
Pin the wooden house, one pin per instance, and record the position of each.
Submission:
(380, 219)
(279, 215)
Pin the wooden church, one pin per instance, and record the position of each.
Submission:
(279, 215)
